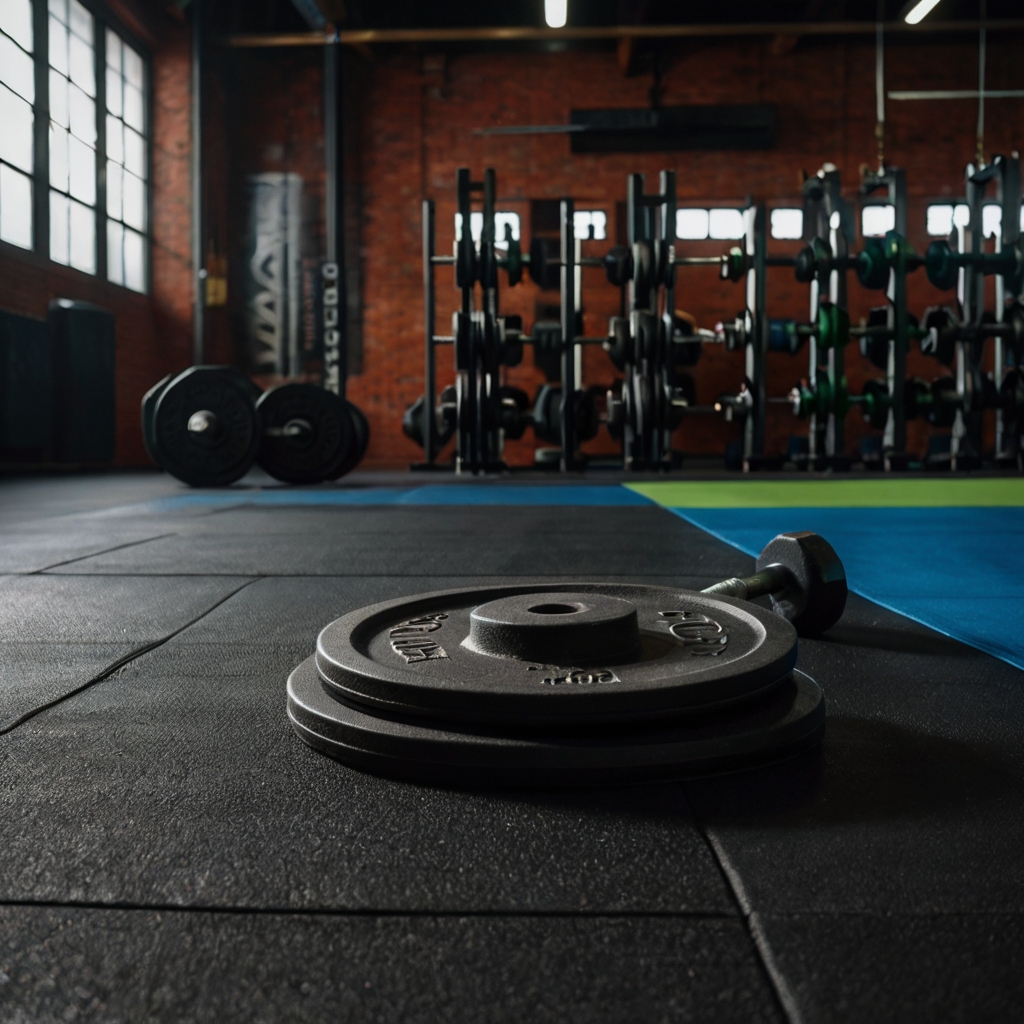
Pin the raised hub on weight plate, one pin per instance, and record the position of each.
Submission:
(561, 628)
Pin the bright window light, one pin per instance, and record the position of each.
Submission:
(787, 223)
(692, 224)
(939, 219)
(961, 215)
(723, 224)
(991, 220)
(15, 207)
(919, 11)
(556, 12)
(586, 221)
(476, 226)
(877, 219)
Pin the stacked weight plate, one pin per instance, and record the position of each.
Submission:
(556, 685)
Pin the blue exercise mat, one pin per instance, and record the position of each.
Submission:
(958, 570)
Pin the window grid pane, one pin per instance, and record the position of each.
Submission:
(72, 136)
(16, 22)
(127, 225)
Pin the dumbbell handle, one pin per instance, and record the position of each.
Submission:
(770, 580)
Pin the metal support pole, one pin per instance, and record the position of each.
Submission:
(901, 342)
(198, 228)
(568, 282)
(755, 353)
(759, 318)
(335, 353)
(836, 226)
(429, 316)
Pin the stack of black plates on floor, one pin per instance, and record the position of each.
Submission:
(556, 685)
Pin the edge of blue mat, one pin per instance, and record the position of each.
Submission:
(1013, 657)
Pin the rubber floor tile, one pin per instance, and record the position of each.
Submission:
(915, 803)
(853, 968)
(438, 541)
(67, 609)
(174, 782)
(124, 965)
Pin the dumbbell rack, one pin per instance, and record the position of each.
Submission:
(484, 341)
(643, 344)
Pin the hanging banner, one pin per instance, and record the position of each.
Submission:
(274, 289)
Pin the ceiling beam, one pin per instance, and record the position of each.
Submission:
(377, 36)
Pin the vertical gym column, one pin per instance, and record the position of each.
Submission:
(568, 212)
(198, 227)
(429, 314)
(333, 272)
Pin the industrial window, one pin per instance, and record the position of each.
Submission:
(93, 86)
(876, 219)
(941, 218)
(787, 222)
(720, 223)
(126, 165)
(17, 121)
(72, 136)
(501, 219)
(590, 224)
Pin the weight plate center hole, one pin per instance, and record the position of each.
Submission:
(555, 609)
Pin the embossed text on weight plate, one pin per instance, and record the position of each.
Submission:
(581, 677)
(698, 633)
(410, 640)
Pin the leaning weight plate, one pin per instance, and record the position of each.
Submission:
(307, 433)
(361, 431)
(788, 719)
(555, 653)
(205, 426)
(149, 400)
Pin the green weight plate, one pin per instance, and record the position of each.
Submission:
(307, 433)
(205, 426)
(784, 721)
(558, 652)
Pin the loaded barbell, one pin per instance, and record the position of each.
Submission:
(209, 424)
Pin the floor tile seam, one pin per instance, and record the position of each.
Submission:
(119, 664)
(785, 999)
(96, 554)
(446, 574)
(234, 910)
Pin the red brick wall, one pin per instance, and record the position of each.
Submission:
(417, 119)
(154, 332)
(418, 128)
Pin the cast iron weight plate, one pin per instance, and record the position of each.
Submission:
(788, 719)
(361, 427)
(308, 433)
(557, 653)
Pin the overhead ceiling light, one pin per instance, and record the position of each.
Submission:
(919, 11)
(556, 12)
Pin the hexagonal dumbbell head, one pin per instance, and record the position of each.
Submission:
(804, 577)
(813, 594)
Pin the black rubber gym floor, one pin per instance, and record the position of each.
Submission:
(171, 850)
